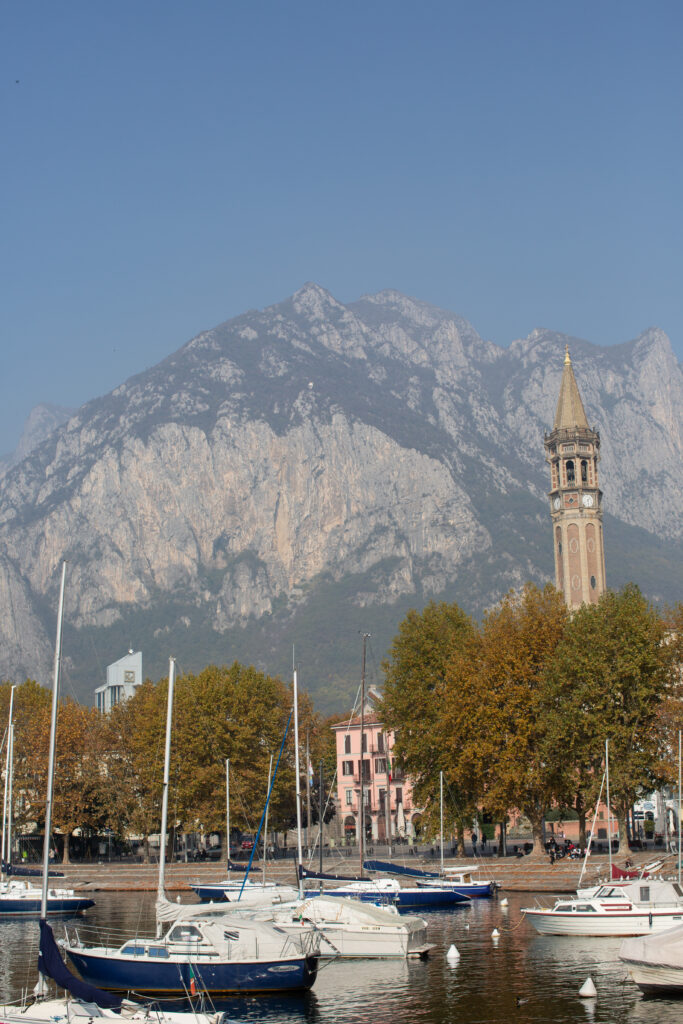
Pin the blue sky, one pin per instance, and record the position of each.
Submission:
(169, 165)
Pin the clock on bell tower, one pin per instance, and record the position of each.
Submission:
(573, 451)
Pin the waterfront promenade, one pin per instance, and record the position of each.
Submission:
(514, 874)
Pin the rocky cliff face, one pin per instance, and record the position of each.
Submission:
(315, 466)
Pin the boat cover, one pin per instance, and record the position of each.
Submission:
(325, 876)
(19, 869)
(397, 869)
(51, 965)
(663, 949)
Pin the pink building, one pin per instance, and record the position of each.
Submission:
(388, 795)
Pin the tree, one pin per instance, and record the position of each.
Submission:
(494, 721)
(612, 674)
(415, 695)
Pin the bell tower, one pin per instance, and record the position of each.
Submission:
(573, 451)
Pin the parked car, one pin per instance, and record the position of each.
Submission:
(247, 842)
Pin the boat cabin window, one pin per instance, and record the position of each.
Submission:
(584, 908)
(185, 933)
(678, 890)
(159, 951)
(645, 894)
(564, 908)
(231, 936)
(134, 950)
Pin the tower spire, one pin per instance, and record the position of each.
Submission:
(570, 412)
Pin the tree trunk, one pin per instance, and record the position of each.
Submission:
(623, 828)
(65, 858)
(502, 844)
(538, 851)
(580, 809)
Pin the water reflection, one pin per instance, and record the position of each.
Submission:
(521, 977)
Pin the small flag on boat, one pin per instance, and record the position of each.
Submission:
(193, 983)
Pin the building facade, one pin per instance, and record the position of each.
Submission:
(123, 677)
(572, 449)
(387, 795)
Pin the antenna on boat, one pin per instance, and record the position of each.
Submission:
(6, 838)
(227, 811)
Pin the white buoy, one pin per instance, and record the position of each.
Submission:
(588, 989)
(495, 934)
(504, 902)
(453, 953)
(467, 927)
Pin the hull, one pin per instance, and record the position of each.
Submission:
(612, 924)
(47, 1011)
(56, 907)
(655, 979)
(473, 890)
(405, 899)
(174, 976)
(366, 944)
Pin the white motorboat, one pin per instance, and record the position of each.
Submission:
(631, 908)
(655, 962)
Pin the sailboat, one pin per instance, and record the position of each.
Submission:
(19, 898)
(82, 1001)
(247, 957)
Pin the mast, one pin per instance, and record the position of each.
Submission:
(53, 742)
(321, 812)
(227, 811)
(10, 799)
(441, 815)
(361, 811)
(164, 797)
(308, 800)
(609, 810)
(679, 807)
(265, 826)
(8, 769)
(298, 787)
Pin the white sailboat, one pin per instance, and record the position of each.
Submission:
(81, 1002)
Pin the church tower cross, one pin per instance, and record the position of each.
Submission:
(572, 449)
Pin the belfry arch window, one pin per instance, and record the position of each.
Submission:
(584, 471)
(570, 471)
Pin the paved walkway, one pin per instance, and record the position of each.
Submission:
(523, 874)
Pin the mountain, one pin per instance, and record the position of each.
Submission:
(42, 420)
(312, 470)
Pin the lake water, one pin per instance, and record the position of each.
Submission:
(544, 973)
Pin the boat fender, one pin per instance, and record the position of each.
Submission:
(588, 990)
(504, 902)
(495, 934)
(650, 918)
(453, 953)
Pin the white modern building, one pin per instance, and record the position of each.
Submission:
(122, 679)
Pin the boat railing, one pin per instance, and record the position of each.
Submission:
(110, 939)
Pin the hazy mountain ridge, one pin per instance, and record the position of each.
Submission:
(292, 451)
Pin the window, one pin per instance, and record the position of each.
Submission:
(185, 933)
(366, 769)
(347, 744)
(347, 767)
(399, 796)
(380, 766)
(570, 471)
(349, 797)
(380, 742)
(593, 582)
(584, 471)
(134, 951)
(115, 694)
(365, 743)
(158, 951)
(645, 894)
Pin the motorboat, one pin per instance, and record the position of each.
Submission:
(632, 908)
(221, 956)
(18, 898)
(655, 962)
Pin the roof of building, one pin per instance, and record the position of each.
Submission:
(570, 412)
